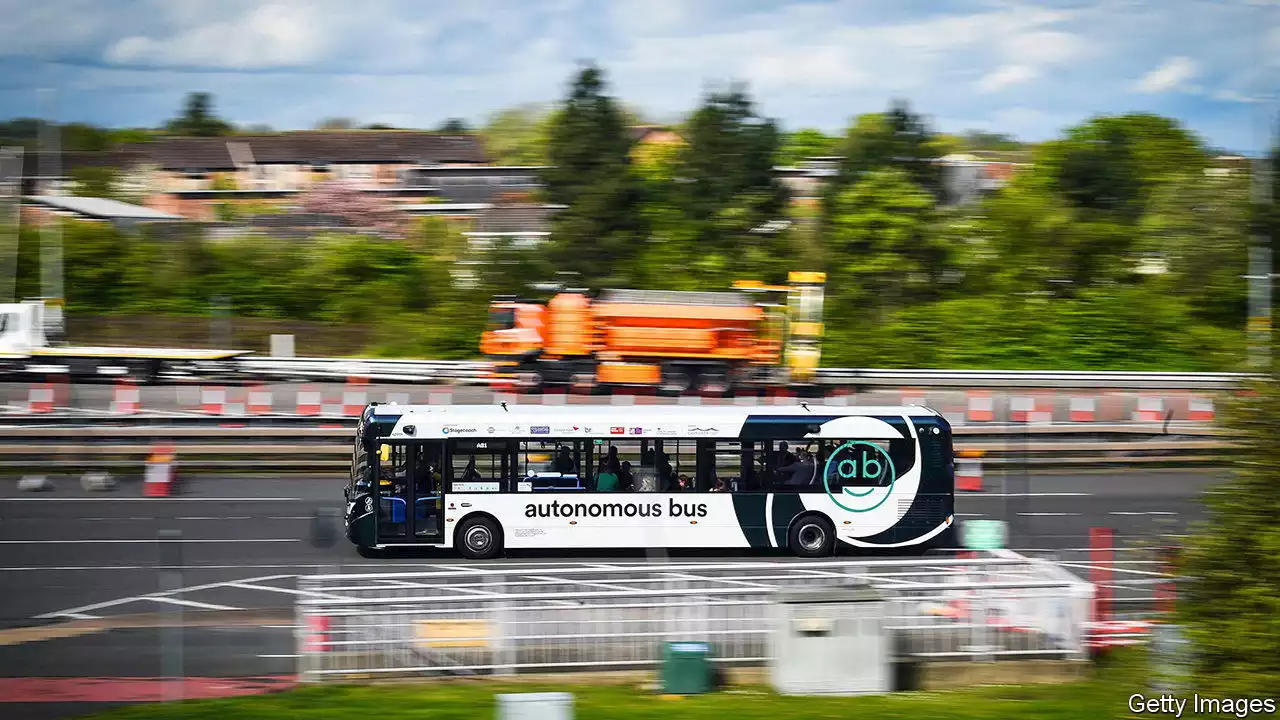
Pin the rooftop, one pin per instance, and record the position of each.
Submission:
(100, 208)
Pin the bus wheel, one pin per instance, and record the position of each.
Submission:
(479, 538)
(812, 536)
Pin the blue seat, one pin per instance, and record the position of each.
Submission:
(395, 508)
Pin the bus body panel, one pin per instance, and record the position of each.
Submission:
(901, 509)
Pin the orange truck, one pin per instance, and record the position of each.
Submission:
(756, 334)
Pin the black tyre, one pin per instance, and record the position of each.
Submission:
(478, 538)
(812, 536)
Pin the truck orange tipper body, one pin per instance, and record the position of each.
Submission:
(673, 339)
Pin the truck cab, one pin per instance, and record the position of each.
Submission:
(515, 330)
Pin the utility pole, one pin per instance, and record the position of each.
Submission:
(50, 169)
(11, 176)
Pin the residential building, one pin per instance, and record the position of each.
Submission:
(967, 177)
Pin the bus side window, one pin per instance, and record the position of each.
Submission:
(481, 461)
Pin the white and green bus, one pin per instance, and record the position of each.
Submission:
(808, 478)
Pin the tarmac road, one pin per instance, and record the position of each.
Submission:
(93, 560)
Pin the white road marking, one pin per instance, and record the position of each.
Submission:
(280, 656)
(145, 540)
(1047, 494)
(288, 591)
(1050, 514)
(290, 517)
(72, 612)
(1141, 512)
(190, 603)
(971, 514)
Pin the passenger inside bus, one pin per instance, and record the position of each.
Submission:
(471, 474)
(564, 462)
(627, 479)
(799, 473)
(607, 475)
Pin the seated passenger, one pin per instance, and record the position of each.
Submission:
(799, 473)
(471, 474)
(607, 476)
(564, 463)
(625, 478)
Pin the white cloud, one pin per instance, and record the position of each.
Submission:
(267, 36)
(1006, 76)
(1172, 73)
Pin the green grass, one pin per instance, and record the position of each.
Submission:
(1104, 695)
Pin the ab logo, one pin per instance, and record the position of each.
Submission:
(859, 476)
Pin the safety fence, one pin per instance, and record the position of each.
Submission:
(348, 398)
(293, 444)
(512, 618)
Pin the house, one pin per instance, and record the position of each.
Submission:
(967, 177)
(806, 180)
(509, 220)
(655, 135)
(191, 175)
(42, 209)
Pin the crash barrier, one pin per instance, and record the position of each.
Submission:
(347, 398)
(315, 445)
(518, 618)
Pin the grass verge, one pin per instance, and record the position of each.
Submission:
(1103, 695)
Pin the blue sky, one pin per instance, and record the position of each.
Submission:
(1026, 68)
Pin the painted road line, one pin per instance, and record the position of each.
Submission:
(189, 603)
(146, 540)
(1049, 514)
(149, 596)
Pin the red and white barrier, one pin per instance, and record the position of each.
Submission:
(318, 628)
(213, 400)
(354, 397)
(259, 400)
(1021, 407)
(969, 475)
(161, 472)
(981, 407)
(41, 398)
(1150, 409)
(126, 399)
(309, 401)
(1083, 409)
(1200, 409)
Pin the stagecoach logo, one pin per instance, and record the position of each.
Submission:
(540, 429)
(455, 429)
(865, 466)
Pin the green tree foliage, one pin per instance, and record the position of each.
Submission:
(1199, 227)
(454, 126)
(98, 182)
(519, 135)
(896, 138)
(1230, 599)
(1113, 164)
(880, 248)
(803, 144)
(599, 234)
(982, 140)
(198, 118)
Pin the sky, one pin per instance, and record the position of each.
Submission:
(1028, 69)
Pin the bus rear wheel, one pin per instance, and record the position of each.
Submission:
(479, 538)
(812, 536)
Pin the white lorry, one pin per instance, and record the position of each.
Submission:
(25, 350)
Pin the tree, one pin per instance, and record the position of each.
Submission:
(728, 190)
(1113, 164)
(880, 249)
(803, 144)
(336, 123)
(983, 140)
(1200, 227)
(897, 138)
(599, 233)
(518, 136)
(454, 126)
(1230, 599)
(96, 182)
(198, 119)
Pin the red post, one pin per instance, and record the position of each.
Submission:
(1101, 561)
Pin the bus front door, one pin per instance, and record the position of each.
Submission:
(428, 499)
(410, 504)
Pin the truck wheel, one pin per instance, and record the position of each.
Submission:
(478, 538)
(812, 536)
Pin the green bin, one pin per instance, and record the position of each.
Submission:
(686, 668)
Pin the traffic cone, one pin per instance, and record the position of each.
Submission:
(160, 473)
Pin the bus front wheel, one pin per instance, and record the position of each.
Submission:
(479, 538)
(812, 536)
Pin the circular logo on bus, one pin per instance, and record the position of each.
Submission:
(859, 476)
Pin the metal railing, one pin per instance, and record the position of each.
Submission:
(513, 618)
(292, 444)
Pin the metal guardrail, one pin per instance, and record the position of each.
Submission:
(508, 619)
(479, 372)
